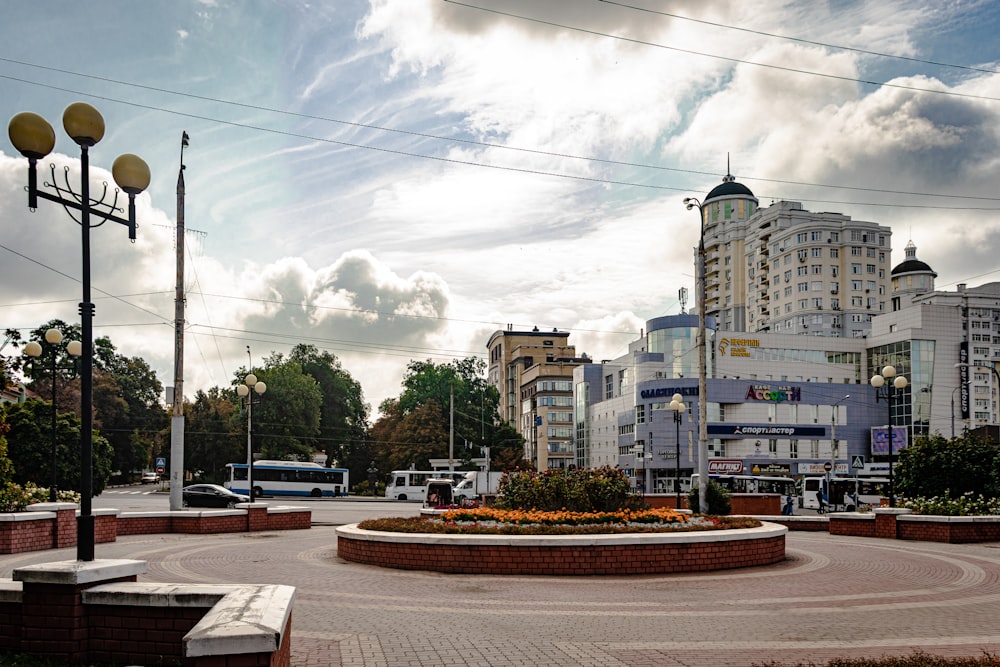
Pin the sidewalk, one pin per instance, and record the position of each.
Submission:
(833, 597)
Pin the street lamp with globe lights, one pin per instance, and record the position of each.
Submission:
(886, 386)
(34, 138)
(34, 350)
(678, 408)
(251, 391)
(692, 203)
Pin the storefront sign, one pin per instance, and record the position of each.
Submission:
(667, 392)
(748, 430)
(783, 469)
(762, 392)
(737, 347)
(725, 466)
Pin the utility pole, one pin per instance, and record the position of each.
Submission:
(451, 433)
(177, 420)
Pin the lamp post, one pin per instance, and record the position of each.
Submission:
(834, 445)
(34, 138)
(639, 452)
(963, 364)
(251, 391)
(886, 386)
(691, 203)
(678, 407)
(34, 349)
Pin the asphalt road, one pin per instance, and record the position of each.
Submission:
(325, 511)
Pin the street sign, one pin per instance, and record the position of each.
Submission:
(160, 462)
(159, 470)
(827, 466)
(858, 462)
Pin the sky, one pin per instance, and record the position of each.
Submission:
(394, 180)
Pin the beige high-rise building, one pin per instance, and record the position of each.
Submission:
(533, 372)
(783, 269)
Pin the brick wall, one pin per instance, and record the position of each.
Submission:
(37, 531)
(576, 560)
(139, 635)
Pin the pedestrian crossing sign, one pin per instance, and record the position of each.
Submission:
(857, 462)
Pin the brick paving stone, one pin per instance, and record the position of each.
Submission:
(832, 597)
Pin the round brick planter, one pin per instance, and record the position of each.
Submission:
(632, 553)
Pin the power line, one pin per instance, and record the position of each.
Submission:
(740, 61)
(478, 143)
(803, 41)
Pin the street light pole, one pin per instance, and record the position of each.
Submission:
(34, 349)
(34, 138)
(678, 408)
(691, 203)
(251, 385)
(834, 445)
(886, 386)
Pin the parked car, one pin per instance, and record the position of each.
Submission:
(150, 478)
(211, 495)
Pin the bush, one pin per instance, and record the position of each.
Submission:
(604, 489)
(964, 505)
(715, 495)
(917, 659)
(14, 497)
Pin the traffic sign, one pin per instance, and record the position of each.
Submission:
(858, 462)
(161, 462)
(827, 466)
(159, 470)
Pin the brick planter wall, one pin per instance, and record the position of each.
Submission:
(53, 525)
(952, 529)
(649, 553)
(74, 611)
(750, 504)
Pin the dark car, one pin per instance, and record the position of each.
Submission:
(211, 495)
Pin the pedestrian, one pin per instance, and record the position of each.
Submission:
(789, 508)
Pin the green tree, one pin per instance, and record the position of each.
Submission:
(30, 447)
(343, 424)
(428, 391)
(286, 420)
(937, 466)
(213, 434)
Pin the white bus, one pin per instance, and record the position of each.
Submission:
(411, 484)
(843, 494)
(783, 486)
(288, 478)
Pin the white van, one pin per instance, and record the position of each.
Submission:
(411, 484)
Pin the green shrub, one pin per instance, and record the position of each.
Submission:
(604, 489)
(715, 495)
(15, 498)
(964, 505)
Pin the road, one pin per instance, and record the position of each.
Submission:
(325, 511)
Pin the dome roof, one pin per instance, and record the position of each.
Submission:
(729, 186)
(911, 264)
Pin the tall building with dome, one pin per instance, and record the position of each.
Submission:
(783, 269)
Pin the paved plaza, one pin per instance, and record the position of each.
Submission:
(833, 596)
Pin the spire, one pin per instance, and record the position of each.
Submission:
(728, 178)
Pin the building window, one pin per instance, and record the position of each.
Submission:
(772, 447)
(817, 252)
(640, 414)
(870, 268)
(855, 251)
(793, 449)
(609, 386)
(834, 253)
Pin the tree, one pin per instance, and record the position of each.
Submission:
(416, 427)
(936, 466)
(343, 424)
(213, 434)
(30, 447)
(286, 421)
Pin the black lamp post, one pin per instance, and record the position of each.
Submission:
(692, 203)
(251, 391)
(886, 386)
(34, 138)
(34, 349)
(678, 407)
